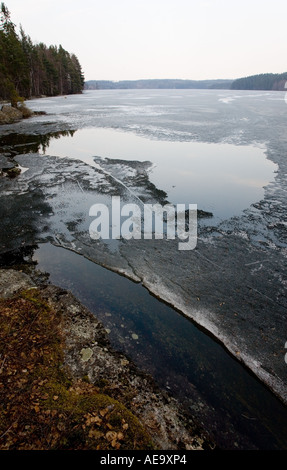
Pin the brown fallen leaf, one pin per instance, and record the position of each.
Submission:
(95, 434)
(104, 412)
(111, 436)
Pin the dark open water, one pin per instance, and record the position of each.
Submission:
(230, 402)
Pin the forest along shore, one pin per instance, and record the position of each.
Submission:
(102, 403)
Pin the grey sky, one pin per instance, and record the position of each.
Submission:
(189, 39)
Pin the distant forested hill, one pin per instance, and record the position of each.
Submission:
(28, 70)
(264, 81)
(156, 84)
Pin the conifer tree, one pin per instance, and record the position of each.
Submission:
(28, 70)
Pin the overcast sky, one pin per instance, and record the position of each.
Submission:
(187, 39)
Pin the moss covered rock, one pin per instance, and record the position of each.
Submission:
(10, 114)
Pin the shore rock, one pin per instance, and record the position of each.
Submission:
(89, 354)
(12, 281)
(8, 114)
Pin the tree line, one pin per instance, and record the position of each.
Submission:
(28, 70)
(264, 81)
(157, 84)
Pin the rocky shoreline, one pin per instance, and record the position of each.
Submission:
(10, 114)
(89, 354)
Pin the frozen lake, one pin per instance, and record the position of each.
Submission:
(220, 177)
(224, 151)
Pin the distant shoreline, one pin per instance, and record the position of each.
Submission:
(157, 84)
(263, 82)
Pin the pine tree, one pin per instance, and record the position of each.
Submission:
(28, 70)
(13, 66)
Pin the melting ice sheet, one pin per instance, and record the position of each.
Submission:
(220, 178)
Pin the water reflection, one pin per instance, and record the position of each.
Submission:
(223, 179)
(194, 367)
(220, 178)
(25, 143)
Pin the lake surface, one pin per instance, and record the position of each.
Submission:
(224, 151)
(222, 178)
